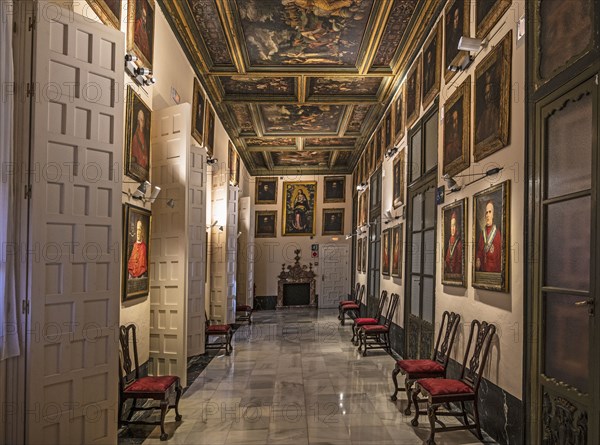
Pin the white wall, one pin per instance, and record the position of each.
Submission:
(271, 253)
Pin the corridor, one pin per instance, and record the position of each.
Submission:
(295, 378)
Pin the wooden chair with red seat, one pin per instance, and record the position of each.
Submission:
(413, 370)
(343, 302)
(223, 331)
(363, 321)
(243, 312)
(352, 307)
(132, 386)
(438, 392)
(377, 336)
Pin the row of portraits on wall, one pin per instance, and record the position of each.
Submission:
(266, 223)
(422, 85)
(334, 190)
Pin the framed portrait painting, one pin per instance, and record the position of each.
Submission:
(388, 132)
(399, 116)
(209, 128)
(234, 165)
(299, 208)
(385, 252)
(136, 252)
(265, 224)
(454, 218)
(333, 222)
(266, 191)
(109, 11)
(487, 14)
(397, 241)
(413, 93)
(137, 138)
(363, 260)
(456, 25)
(140, 32)
(492, 100)
(198, 113)
(432, 66)
(334, 189)
(398, 180)
(491, 240)
(457, 119)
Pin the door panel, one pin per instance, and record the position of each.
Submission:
(75, 232)
(334, 276)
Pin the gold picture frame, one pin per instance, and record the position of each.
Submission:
(136, 252)
(109, 11)
(456, 11)
(137, 137)
(299, 208)
(412, 93)
(486, 16)
(140, 30)
(398, 180)
(432, 66)
(265, 224)
(333, 222)
(454, 239)
(397, 250)
(457, 130)
(266, 190)
(198, 113)
(334, 189)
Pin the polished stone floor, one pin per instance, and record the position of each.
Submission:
(295, 378)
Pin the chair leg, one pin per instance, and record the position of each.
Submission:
(395, 373)
(343, 317)
(431, 409)
(409, 392)
(178, 392)
(228, 347)
(415, 401)
(353, 340)
(164, 404)
(132, 409)
(464, 412)
(476, 414)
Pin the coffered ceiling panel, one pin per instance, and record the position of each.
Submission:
(300, 85)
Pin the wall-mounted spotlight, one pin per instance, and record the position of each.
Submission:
(389, 217)
(141, 75)
(140, 192)
(461, 62)
(361, 187)
(211, 161)
(471, 44)
(454, 187)
(171, 203)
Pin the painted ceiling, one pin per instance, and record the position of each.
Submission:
(300, 85)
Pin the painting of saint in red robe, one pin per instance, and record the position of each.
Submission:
(454, 216)
(136, 252)
(137, 138)
(141, 30)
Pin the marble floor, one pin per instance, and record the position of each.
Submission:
(295, 378)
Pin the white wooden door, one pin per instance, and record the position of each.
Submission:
(245, 287)
(196, 249)
(75, 231)
(168, 250)
(231, 251)
(335, 273)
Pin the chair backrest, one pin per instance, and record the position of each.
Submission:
(481, 334)
(381, 305)
(443, 345)
(128, 373)
(359, 295)
(391, 310)
(355, 291)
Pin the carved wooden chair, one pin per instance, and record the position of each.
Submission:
(132, 386)
(352, 307)
(413, 370)
(243, 312)
(343, 302)
(364, 321)
(438, 392)
(377, 336)
(223, 331)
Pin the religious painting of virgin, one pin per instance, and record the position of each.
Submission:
(137, 138)
(109, 11)
(457, 130)
(397, 244)
(492, 100)
(140, 33)
(454, 218)
(136, 252)
(198, 113)
(333, 222)
(491, 239)
(299, 212)
(432, 66)
(487, 14)
(413, 93)
(385, 253)
(334, 188)
(398, 180)
(456, 25)
(209, 128)
(266, 223)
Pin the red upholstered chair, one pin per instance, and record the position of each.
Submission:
(243, 312)
(363, 321)
(223, 331)
(132, 386)
(352, 307)
(377, 336)
(438, 392)
(412, 370)
(343, 302)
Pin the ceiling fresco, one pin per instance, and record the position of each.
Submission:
(300, 84)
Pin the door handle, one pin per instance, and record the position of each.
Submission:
(589, 302)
